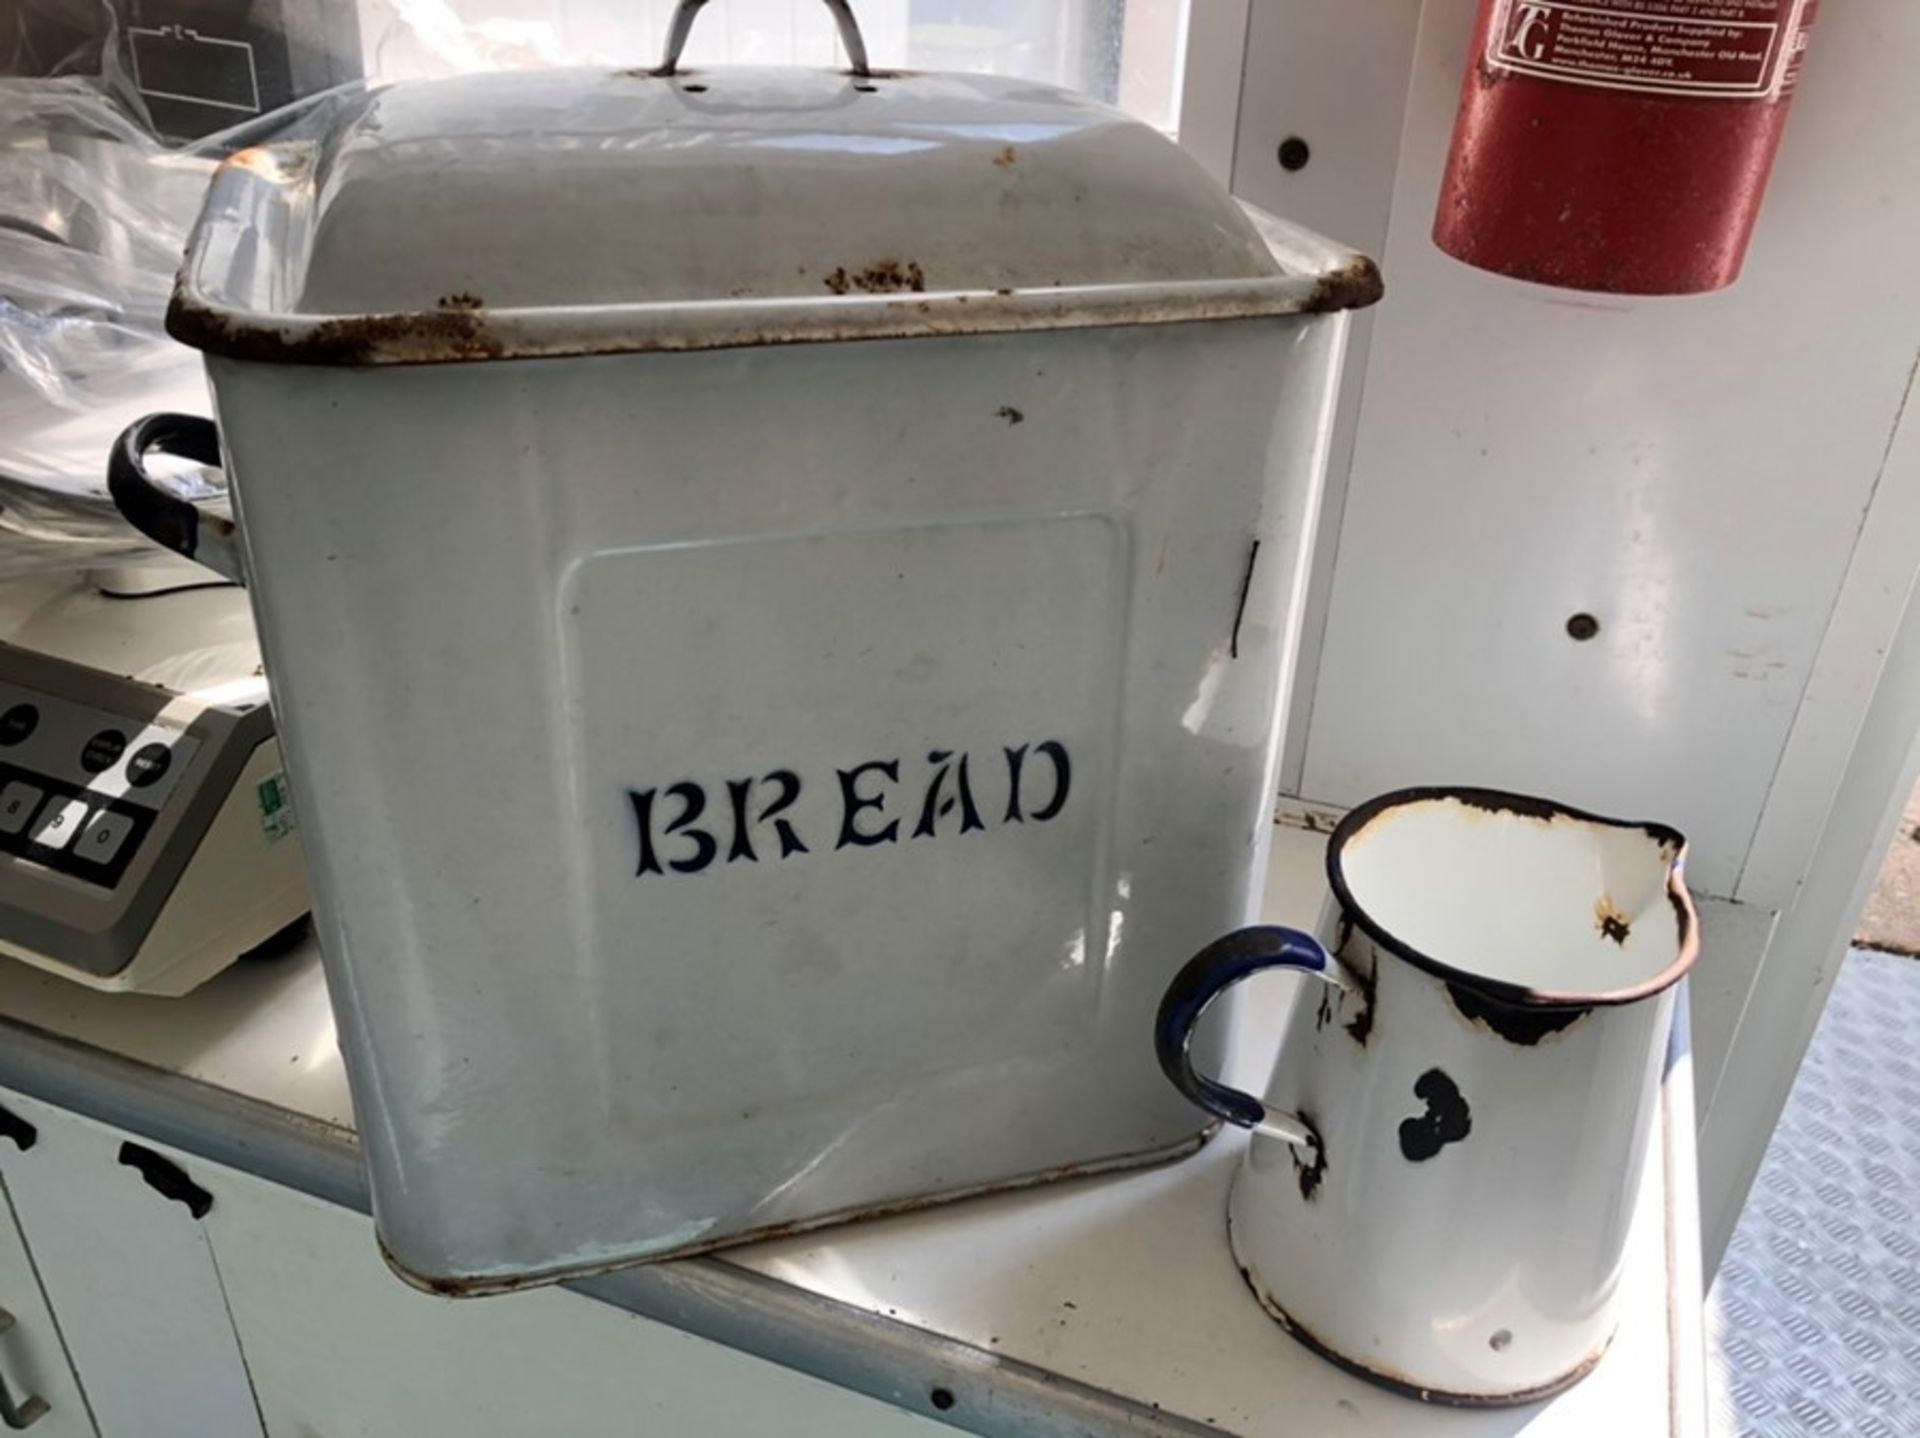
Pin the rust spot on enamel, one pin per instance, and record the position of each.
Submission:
(1360, 1026)
(1448, 1118)
(1610, 921)
(1309, 1174)
(882, 277)
(450, 333)
(1352, 288)
(1522, 1024)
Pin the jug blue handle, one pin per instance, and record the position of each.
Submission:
(1207, 975)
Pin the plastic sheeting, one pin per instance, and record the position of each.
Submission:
(95, 209)
(93, 214)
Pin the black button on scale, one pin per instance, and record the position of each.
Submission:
(103, 751)
(148, 765)
(18, 723)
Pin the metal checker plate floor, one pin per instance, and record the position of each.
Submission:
(1815, 1316)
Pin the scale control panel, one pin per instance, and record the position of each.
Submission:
(109, 790)
(81, 786)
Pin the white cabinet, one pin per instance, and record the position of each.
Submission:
(227, 1305)
(41, 1393)
(1694, 474)
(130, 1276)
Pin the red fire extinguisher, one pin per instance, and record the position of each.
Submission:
(1619, 145)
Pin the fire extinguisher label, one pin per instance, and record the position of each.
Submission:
(1725, 48)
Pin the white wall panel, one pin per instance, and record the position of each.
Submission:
(1694, 472)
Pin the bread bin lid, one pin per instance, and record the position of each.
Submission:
(573, 212)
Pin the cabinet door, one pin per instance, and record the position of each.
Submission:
(338, 1345)
(129, 1274)
(33, 1363)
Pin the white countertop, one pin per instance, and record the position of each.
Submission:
(1123, 1284)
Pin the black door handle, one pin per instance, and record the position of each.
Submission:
(167, 1178)
(23, 1134)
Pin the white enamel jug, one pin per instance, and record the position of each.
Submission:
(1438, 1190)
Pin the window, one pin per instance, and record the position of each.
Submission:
(1124, 51)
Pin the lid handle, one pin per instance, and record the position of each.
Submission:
(682, 24)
